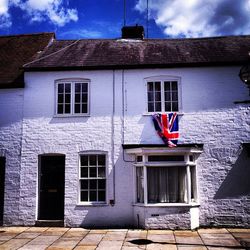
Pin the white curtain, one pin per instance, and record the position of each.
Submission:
(166, 184)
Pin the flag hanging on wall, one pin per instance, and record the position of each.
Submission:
(167, 128)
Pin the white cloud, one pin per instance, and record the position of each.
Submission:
(5, 20)
(195, 18)
(38, 11)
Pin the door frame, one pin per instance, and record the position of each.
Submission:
(39, 180)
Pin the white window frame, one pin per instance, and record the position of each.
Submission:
(72, 82)
(162, 79)
(187, 163)
(91, 203)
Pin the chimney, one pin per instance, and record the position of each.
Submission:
(133, 32)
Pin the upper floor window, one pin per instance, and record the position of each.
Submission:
(72, 97)
(162, 96)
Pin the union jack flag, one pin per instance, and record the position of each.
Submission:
(167, 128)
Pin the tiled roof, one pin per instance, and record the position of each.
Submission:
(147, 53)
(17, 50)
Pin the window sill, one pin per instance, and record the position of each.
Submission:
(150, 114)
(167, 205)
(71, 116)
(89, 204)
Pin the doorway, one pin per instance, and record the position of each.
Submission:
(51, 187)
(2, 181)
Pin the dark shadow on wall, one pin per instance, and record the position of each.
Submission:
(236, 183)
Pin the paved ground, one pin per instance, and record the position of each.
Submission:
(34, 238)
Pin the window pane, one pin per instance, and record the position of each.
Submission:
(77, 108)
(60, 109)
(60, 88)
(101, 184)
(85, 87)
(84, 108)
(77, 98)
(77, 87)
(84, 184)
(174, 96)
(85, 98)
(67, 87)
(84, 160)
(193, 184)
(157, 86)
(150, 107)
(67, 108)
(101, 196)
(93, 184)
(167, 96)
(101, 160)
(174, 86)
(166, 158)
(139, 185)
(158, 96)
(92, 196)
(139, 158)
(166, 184)
(60, 98)
(150, 96)
(175, 106)
(93, 172)
(92, 160)
(84, 195)
(158, 106)
(168, 106)
(167, 86)
(101, 172)
(84, 172)
(67, 98)
(150, 86)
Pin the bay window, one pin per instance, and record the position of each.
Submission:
(166, 178)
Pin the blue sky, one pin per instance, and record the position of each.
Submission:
(71, 19)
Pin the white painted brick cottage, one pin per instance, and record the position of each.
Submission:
(78, 145)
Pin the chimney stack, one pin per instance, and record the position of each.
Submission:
(133, 32)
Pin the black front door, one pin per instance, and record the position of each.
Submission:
(51, 200)
(2, 179)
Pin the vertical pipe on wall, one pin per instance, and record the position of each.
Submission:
(112, 136)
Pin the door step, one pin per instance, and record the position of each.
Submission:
(49, 223)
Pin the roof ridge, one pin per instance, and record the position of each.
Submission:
(28, 34)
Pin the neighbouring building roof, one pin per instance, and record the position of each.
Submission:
(17, 50)
(146, 53)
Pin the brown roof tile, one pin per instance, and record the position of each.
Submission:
(17, 50)
(121, 53)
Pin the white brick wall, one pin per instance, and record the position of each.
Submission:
(209, 117)
(11, 106)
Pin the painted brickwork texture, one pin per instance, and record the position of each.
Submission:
(11, 108)
(208, 116)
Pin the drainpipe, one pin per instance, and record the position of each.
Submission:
(123, 118)
(112, 202)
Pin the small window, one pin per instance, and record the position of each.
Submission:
(72, 97)
(162, 96)
(139, 158)
(92, 178)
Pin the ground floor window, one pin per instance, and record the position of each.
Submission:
(166, 179)
(92, 178)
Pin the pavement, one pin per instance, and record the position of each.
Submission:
(56, 238)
